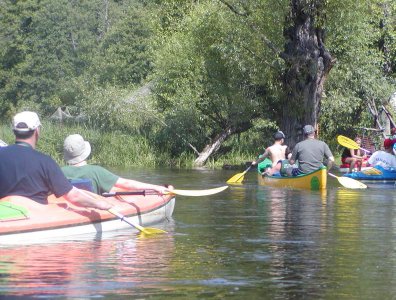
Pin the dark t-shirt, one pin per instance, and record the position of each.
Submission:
(29, 173)
(310, 154)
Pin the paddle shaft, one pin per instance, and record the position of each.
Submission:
(193, 193)
(143, 193)
(146, 230)
(122, 218)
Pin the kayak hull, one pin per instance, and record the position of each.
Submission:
(316, 180)
(60, 218)
(374, 174)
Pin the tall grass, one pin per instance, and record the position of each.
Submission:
(108, 148)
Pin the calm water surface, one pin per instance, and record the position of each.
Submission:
(250, 241)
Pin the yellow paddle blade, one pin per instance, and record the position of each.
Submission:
(351, 183)
(199, 192)
(237, 178)
(372, 171)
(347, 142)
(151, 230)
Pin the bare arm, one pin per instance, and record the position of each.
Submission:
(80, 198)
(355, 153)
(129, 184)
(264, 156)
(330, 163)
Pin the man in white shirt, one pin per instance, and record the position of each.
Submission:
(384, 158)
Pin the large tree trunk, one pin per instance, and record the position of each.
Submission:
(307, 65)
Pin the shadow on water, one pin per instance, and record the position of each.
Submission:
(249, 241)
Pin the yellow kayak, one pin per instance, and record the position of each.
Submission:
(316, 180)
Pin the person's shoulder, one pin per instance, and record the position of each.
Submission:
(42, 155)
(97, 168)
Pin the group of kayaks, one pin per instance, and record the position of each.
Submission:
(24, 220)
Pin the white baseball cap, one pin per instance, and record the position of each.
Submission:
(25, 121)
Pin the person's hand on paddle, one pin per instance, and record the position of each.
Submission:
(163, 190)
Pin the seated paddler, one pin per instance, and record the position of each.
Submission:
(276, 153)
(310, 154)
(75, 153)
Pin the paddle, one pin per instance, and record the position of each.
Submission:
(172, 192)
(238, 178)
(145, 230)
(119, 215)
(349, 183)
(348, 143)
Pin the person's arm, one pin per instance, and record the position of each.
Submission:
(355, 153)
(129, 184)
(263, 156)
(330, 163)
(293, 157)
(329, 156)
(81, 198)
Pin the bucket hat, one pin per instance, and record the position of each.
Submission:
(75, 149)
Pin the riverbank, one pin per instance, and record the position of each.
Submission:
(118, 149)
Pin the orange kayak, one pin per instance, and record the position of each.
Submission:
(24, 220)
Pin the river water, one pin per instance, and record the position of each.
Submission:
(248, 242)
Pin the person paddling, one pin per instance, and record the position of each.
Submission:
(353, 156)
(75, 153)
(27, 172)
(277, 153)
(310, 154)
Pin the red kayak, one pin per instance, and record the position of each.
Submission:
(24, 220)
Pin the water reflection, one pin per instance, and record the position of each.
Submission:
(248, 242)
(84, 267)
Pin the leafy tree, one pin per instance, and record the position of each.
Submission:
(203, 72)
(271, 60)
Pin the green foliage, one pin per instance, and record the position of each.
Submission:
(205, 70)
(123, 55)
(212, 67)
(358, 75)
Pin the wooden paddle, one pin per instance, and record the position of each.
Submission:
(145, 230)
(350, 144)
(349, 183)
(238, 178)
(194, 193)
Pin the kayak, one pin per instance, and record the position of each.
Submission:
(24, 220)
(316, 180)
(375, 174)
(344, 168)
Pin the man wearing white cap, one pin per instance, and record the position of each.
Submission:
(27, 172)
(76, 151)
(310, 154)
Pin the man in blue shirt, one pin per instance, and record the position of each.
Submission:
(32, 174)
